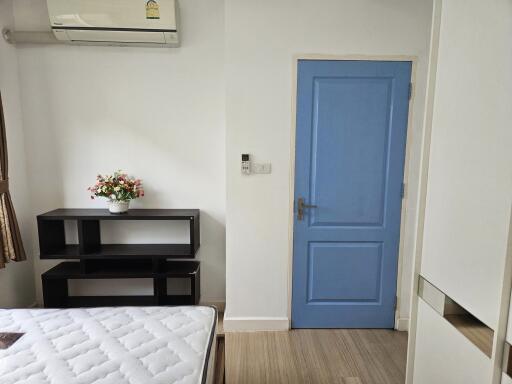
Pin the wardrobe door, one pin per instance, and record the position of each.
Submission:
(469, 190)
(507, 358)
(468, 193)
(445, 356)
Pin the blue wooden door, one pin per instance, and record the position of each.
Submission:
(350, 152)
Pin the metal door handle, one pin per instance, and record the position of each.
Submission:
(300, 208)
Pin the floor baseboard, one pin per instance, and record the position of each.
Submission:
(402, 324)
(252, 324)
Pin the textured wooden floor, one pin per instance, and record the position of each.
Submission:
(314, 356)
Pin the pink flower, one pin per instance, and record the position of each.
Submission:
(119, 185)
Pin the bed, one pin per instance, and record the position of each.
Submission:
(109, 345)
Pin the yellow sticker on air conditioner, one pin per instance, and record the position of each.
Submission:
(152, 10)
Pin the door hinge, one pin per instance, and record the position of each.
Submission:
(410, 91)
(402, 190)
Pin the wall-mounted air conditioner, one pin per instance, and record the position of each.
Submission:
(115, 22)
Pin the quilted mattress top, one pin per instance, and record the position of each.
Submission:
(132, 345)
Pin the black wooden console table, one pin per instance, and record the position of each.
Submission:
(95, 260)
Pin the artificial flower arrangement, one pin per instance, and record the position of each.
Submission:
(119, 189)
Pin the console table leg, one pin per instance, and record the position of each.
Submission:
(160, 290)
(195, 288)
(55, 293)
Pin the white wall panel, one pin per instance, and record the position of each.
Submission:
(443, 355)
(470, 178)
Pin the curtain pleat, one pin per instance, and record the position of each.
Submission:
(11, 245)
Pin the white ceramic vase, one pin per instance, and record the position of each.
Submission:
(118, 206)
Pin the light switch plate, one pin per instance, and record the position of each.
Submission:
(262, 168)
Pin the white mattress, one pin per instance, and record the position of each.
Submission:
(132, 345)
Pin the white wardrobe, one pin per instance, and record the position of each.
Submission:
(460, 312)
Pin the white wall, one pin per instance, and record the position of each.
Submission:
(16, 280)
(261, 39)
(156, 113)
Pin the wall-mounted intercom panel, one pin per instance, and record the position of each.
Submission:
(246, 164)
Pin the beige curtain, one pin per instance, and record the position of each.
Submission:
(11, 246)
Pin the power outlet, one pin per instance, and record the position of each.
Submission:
(262, 168)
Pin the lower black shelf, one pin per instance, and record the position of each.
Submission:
(121, 269)
(107, 301)
(55, 282)
(111, 301)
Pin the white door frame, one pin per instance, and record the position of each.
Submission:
(404, 229)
